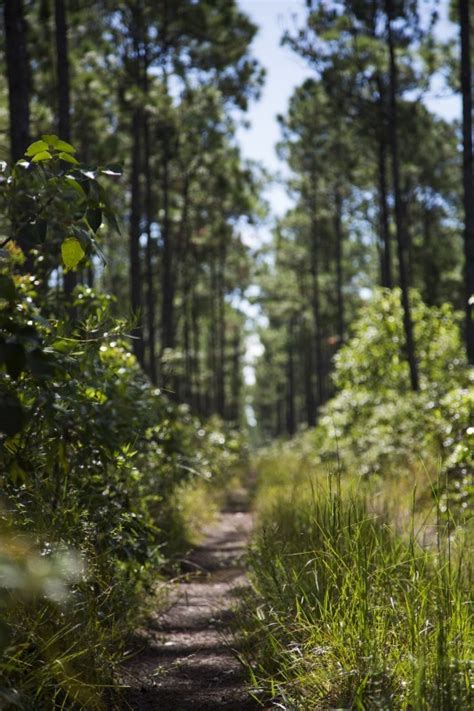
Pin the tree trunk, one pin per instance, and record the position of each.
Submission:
(63, 83)
(221, 403)
(150, 291)
(308, 378)
(468, 171)
(136, 199)
(236, 379)
(290, 383)
(18, 77)
(167, 303)
(63, 98)
(197, 399)
(315, 297)
(135, 275)
(339, 252)
(399, 209)
(386, 256)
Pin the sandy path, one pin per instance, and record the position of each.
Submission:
(186, 662)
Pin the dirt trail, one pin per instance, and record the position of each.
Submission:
(186, 663)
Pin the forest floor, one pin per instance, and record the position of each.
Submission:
(187, 659)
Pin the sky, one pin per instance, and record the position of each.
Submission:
(284, 71)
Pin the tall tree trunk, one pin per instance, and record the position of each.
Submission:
(399, 209)
(150, 290)
(136, 198)
(135, 213)
(236, 378)
(465, 9)
(339, 254)
(18, 77)
(386, 277)
(167, 302)
(63, 97)
(386, 250)
(62, 70)
(290, 382)
(315, 296)
(213, 349)
(220, 277)
(308, 378)
(197, 399)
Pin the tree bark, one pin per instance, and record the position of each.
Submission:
(150, 288)
(150, 291)
(136, 198)
(167, 303)
(197, 399)
(399, 208)
(339, 254)
(135, 212)
(468, 171)
(18, 77)
(386, 251)
(290, 383)
(315, 296)
(308, 379)
(221, 400)
(236, 379)
(63, 94)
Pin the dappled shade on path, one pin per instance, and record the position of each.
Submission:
(187, 661)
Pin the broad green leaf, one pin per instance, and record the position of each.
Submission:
(65, 147)
(42, 156)
(51, 139)
(72, 183)
(71, 252)
(36, 147)
(68, 158)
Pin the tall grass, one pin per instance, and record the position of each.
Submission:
(348, 612)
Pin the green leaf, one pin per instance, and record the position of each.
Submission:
(72, 183)
(71, 252)
(36, 147)
(68, 158)
(51, 139)
(43, 155)
(65, 147)
(94, 218)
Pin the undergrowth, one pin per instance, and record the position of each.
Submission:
(347, 612)
(101, 473)
(361, 592)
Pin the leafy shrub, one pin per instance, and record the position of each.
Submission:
(375, 424)
(90, 452)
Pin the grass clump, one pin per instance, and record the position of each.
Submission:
(346, 612)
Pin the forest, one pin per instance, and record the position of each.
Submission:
(236, 441)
